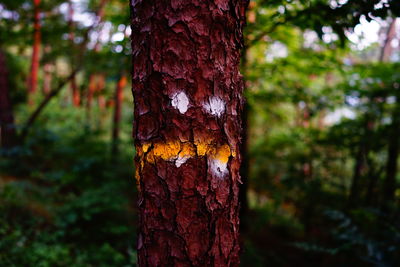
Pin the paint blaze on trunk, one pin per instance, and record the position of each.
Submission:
(188, 101)
(32, 83)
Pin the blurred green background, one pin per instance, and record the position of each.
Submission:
(323, 126)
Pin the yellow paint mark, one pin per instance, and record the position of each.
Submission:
(167, 150)
(137, 176)
(146, 147)
(222, 153)
(202, 149)
(171, 150)
(233, 152)
(187, 150)
(150, 157)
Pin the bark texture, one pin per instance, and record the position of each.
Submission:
(7, 127)
(188, 101)
(33, 78)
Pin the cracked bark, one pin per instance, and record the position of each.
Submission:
(188, 100)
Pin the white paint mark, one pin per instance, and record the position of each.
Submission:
(180, 102)
(180, 160)
(215, 106)
(218, 168)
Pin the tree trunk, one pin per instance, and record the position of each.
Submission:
(89, 97)
(361, 163)
(188, 101)
(33, 77)
(387, 48)
(393, 153)
(117, 113)
(76, 97)
(101, 100)
(7, 127)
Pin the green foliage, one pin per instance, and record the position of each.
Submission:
(64, 201)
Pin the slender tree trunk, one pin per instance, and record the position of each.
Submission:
(33, 77)
(393, 154)
(7, 127)
(117, 113)
(394, 130)
(76, 97)
(89, 97)
(360, 167)
(101, 84)
(387, 48)
(101, 101)
(373, 174)
(188, 103)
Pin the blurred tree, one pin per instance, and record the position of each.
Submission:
(7, 127)
(75, 94)
(33, 77)
(118, 98)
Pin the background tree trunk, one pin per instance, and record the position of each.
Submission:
(360, 165)
(117, 113)
(393, 153)
(387, 48)
(89, 97)
(7, 127)
(33, 77)
(188, 102)
(76, 97)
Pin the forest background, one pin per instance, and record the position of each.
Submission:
(322, 134)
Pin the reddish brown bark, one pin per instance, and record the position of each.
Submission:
(118, 97)
(101, 84)
(7, 127)
(33, 77)
(76, 97)
(89, 95)
(188, 101)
